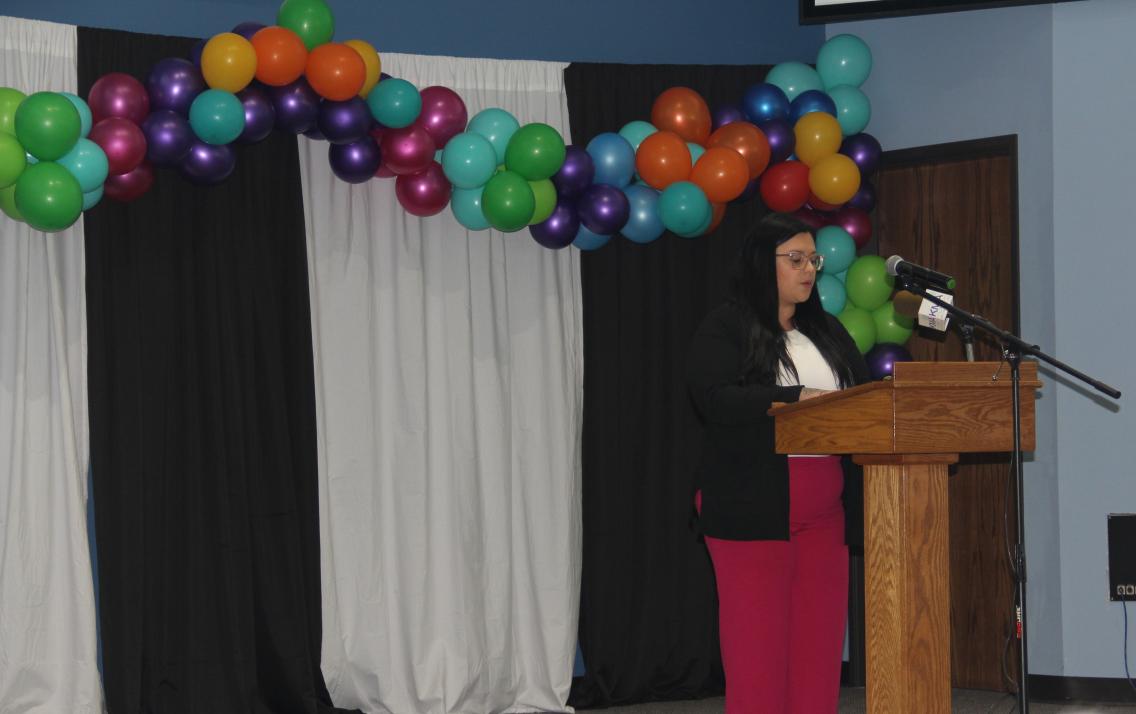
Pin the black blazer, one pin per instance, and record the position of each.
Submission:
(744, 484)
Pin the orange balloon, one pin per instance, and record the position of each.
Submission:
(834, 179)
(281, 56)
(683, 111)
(336, 71)
(747, 140)
(662, 159)
(371, 61)
(818, 135)
(721, 173)
(228, 62)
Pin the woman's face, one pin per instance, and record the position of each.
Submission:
(794, 285)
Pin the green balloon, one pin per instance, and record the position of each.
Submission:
(508, 202)
(9, 101)
(861, 327)
(8, 203)
(536, 151)
(868, 282)
(891, 326)
(48, 125)
(310, 19)
(48, 196)
(13, 160)
(544, 193)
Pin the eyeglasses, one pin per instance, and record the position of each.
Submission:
(797, 259)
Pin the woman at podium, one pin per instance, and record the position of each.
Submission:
(777, 527)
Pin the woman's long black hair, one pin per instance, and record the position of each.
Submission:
(754, 290)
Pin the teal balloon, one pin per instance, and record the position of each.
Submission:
(465, 203)
(85, 119)
(87, 162)
(891, 326)
(92, 198)
(217, 117)
(833, 297)
(702, 228)
(496, 125)
(792, 78)
(868, 283)
(853, 110)
(13, 159)
(838, 248)
(47, 125)
(395, 103)
(844, 59)
(49, 197)
(636, 131)
(684, 208)
(643, 223)
(842, 276)
(696, 152)
(586, 240)
(861, 326)
(469, 160)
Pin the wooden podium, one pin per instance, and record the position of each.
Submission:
(905, 431)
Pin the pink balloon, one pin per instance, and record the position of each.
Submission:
(130, 186)
(443, 114)
(811, 217)
(123, 142)
(383, 171)
(856, 222)
(425, 193)
(118, 95)
(408, 150)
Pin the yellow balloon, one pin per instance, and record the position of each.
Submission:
(228, 62)
(834, 179)
(372, 62)
(818, 135)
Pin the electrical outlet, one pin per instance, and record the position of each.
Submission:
(1122, 556)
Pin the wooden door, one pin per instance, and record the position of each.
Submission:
(953, 207)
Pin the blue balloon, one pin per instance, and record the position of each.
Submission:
(217, 117)
(395, 103)
(812, 100)
(853, 110)
(644, 224)
(586, 240)
(838, 248)
(684, 208)
(636, 131)
(466, 206)
(87, 162)
(833, 297)
(763, 102)
(469, 160)
(614, 159)
(496, 125)
(84, 113)
(92, 198)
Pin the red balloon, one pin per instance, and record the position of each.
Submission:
(443, 114)
(407, 150)
(856, 222)
(129, 186)
(820, 205)
(425, 193)
(785, 186)
(118, 95)
(123, 142)
(683, 111)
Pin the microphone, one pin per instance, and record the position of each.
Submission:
(897, 266)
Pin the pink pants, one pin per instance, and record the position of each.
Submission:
(782, 604)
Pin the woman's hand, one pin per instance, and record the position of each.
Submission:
(810, 392)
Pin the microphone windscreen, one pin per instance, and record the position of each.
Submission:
(907, 303)
(893, 265)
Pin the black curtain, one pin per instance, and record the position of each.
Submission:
(202, 413)
(648, 607)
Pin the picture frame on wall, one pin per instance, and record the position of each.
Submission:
(813, 12)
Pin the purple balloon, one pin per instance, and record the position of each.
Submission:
(726, 114)
(208, 164)
(344, 122)
(383, 75)
(782, 139)
(195, 53)
(356, 162)
(559, 229)
(248, 28)
(865, 198)
(750, 191)
(603, 209)
(881, 359)
(297, 106)
(443, 114)
(316, 135)
(173, 84)
(576, 173)
(168, 137)
(864, 150)
(260, 115)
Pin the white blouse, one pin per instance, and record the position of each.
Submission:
(812, 369)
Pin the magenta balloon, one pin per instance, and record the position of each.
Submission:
(425, 193)
(118, 95)
(443, 114)
(122, 141)
(811, 217)
(856, 222)
(408, 150)
(129, 186)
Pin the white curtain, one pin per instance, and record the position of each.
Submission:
(449, 396)
(47, 604)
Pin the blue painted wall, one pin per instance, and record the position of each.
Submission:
(661, 31)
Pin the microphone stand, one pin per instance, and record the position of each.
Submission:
(1013, 349)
